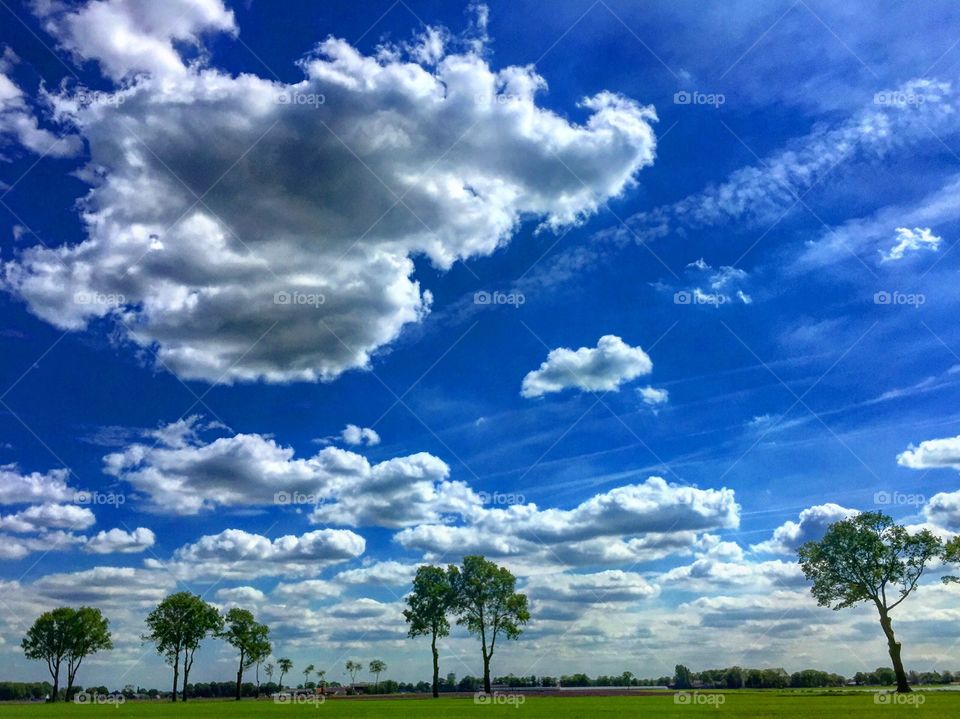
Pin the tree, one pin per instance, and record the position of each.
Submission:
(285, 666)
(66, 634)
(353, 668)
(488, 605)
(682, 678)
(862, 559)
(377, 667)
(951, 555)
(321, 675)
(268, 670)
(177, 627)
(426, 613)
(244, 633)
(306, 674)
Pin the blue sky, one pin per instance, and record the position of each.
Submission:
(632, 299)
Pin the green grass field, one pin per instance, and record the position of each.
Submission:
(815, 705)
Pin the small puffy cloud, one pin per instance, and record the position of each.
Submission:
(131, 36)
(235, 553)
(118, 541)
(48, 516)
(592, 369)
(932, 454)
(915, 240)
(335, 179)
(653, 396)
(354, 435)
(812, 525)
(18, 488)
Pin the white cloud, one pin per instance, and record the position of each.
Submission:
(613, 585)
(354, 435)
(812, 525)
(183, 474)
(389, 574)
(308, 590)
(332, 199)
(48, 516)
(18, 547)
(931, 454)
(654, 396)
(760, 194)
(118, 541)
(19, 124)
(919, 238)
(130, 36)
(640, 522)
(17, 488)
(601, 369)
(915, 240)
(125, 585)
(235, 553)
(241, 595)
(943, 510)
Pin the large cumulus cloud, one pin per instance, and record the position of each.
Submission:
(247, 229)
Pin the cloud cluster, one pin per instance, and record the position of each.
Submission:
(811, 525)
(185, 474)
(246, 229)
(637, 522)
(591, 369)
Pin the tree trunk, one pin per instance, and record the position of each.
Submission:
(436, 667)
(239, 678)
(894, 646)
(486, 673)
(187, 663)
(56, 685)
(176, 676)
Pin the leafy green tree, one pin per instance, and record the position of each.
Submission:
(66, 634)
(869, 558)
(285, 666)
(177, 626)
(268, 670)
(353, 668)
(682, 678)
(951, 555)
(306, 674)
(488, 605)
(250, 638)
(377, 667)
(321, 678)
(426, 613)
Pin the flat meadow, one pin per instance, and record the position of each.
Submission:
(740, 704)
